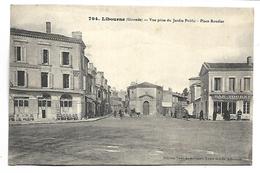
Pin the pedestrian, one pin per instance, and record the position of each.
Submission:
(239, 114)
(186, 114)
(120, 114)
(228, 115)
(171, 114)
(201, 115)
(115, 113)
(214, 115)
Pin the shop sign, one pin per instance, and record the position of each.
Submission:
(231, 97)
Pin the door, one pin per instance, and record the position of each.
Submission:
(43, 113)
(146, 108)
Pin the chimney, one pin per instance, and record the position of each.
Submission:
(48, 27)
(250, 61)
(77, 35)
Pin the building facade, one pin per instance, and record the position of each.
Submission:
(145, 98)
(227, 87)
(46, 74)
(195, 95)
(50, 76)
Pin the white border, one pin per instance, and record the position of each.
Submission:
(4, 51)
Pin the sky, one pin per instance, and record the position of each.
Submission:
(163, 53)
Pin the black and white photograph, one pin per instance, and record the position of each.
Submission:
(104, 85)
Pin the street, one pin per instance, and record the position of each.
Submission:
(132, 141)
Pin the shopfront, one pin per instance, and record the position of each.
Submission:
(232, 103)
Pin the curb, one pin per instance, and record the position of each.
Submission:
(58, 121)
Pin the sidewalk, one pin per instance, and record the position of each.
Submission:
(57, 121)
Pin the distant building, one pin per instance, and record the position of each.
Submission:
(227, 86)
(145, 98)
(195, 95)
(167, 103)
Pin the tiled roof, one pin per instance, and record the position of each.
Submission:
(228, 66)
(43, 35)
(145, 85)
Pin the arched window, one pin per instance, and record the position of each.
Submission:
(66, 100)
(44, 101)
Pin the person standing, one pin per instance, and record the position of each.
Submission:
(239, 114)
(201, 115)
(115, 113)
(214, 115)
(120, 114)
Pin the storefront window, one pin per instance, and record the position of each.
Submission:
(21, 102)
(246, 107)
(222, 107)
(66, 101)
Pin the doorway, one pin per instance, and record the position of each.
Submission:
(146, 108)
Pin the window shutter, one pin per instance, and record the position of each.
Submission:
(242, 85)
(15, 53)
(71, 81)
(26, 79)
(15, 78)
(60, 58)
(41, 56)
(212, 85)
(70, 58)
(84, 82)
(24, 54)
(50, 78)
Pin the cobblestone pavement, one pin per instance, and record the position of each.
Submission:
(132, 141)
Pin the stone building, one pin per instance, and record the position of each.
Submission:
(195, 95)
(145, 98)
(227, 86)
(91, 93)
(47, 71)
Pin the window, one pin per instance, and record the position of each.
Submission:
(18, 51)
(44, 101)
(44, 79)
(232, 107)
(20, 78)
(217, 84)
(246, 84)
(45, 58)
(232, 84)
(65, 58)
(246, 107)
(21, 102)
(66, 80)
(66, 101)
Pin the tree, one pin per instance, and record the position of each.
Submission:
(185, 92)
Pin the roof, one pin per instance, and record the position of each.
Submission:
(225, 67)
(144, 85)
(43, 35)
(194, 78)
(178, 95)
(228, 65)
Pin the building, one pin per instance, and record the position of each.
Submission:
(91, 94)
(195, 95)
(227, 86)
(145, 98)
(167, 102)
(179, 102)
(116, 101)
(47, 71)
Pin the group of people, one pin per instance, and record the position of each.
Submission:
(226, 115)
(120, 112)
